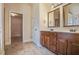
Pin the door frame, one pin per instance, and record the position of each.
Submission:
(10, 25)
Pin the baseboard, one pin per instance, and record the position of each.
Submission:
(2, 52)
(7, 46)
(30, 40)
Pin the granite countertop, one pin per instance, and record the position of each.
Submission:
(61, 31)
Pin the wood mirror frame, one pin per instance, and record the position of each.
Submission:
(55, 14)
(69, 19)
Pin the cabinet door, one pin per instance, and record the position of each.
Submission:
(46, 39)
(73, 48)
(52, 44)
(61, 46)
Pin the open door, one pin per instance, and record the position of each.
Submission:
(16, 28)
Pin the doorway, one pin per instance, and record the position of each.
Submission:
(16, 28)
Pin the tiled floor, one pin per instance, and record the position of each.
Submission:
(27, 49)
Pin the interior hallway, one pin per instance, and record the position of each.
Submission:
(19, 48)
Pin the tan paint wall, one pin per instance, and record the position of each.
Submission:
(1, 28)
(24, 9)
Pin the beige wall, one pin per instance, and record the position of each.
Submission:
(24, 9)
(1, 28)
(43, 16)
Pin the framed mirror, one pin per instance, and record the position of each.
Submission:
(71, 14)
(54, 18)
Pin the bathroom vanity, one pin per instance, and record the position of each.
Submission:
(62, 43)
(61, 17)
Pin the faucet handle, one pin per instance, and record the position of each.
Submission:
(72, 30)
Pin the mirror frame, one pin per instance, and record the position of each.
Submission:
(54, 19)
(64, 21)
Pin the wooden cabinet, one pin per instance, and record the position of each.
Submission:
(61, 46)
(73, 45)
(73, 48)
(52, 44)
(60, 42)
(45, 37)
(48, 40)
